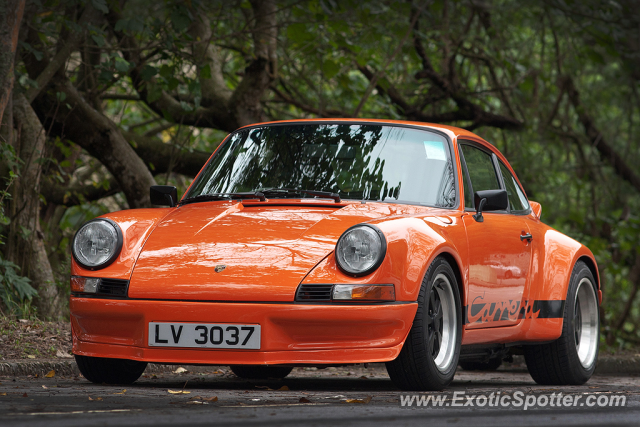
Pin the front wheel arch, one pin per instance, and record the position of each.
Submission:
(421, 365)
(455, 266)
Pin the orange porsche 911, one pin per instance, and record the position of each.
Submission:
(333, 242)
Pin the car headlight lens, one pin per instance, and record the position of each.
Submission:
(97, 243)
(361, 249)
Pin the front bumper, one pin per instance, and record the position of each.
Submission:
(291, 333)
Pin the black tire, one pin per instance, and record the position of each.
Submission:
(415, 369)
(558, 362)
(477, 365)
(260, 372)
(101, 370)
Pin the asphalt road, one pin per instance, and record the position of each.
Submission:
(336, 396)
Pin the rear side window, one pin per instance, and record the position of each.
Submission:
(481, 171)
(517, 199)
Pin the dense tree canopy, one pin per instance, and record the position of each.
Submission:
(103, 98)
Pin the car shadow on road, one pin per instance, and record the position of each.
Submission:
(321, 383)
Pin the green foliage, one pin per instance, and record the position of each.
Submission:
(15, 290)
(13, 163)
(506, 56)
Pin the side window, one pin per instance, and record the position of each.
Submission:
(517, 199)
(481, 171)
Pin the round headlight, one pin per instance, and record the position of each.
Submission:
(361, 249)
(97, 243)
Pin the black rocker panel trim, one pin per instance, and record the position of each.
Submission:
(540, 309)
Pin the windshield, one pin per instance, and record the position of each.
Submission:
(364, 162)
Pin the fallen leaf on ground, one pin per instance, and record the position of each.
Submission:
(283, 388)
(195, 402)
(263, 387)
(97, 398)
(304, 400)
(218, 372)
(122, 392)
(63, 354)
(30, 356)
(3, 394)
(179, 392)
(180, 370)
(51, 374)
(45, 387)
(25, 395)
(365, 400)
(364, 377)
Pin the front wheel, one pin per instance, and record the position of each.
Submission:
(429, 357)
(260, 372)
(571, 359)
(110, 371)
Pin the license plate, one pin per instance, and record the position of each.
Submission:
(204, 335)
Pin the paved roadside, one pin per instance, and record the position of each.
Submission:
(354, 395)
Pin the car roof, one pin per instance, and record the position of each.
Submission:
(452, 131)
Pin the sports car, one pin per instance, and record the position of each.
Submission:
(335, 242)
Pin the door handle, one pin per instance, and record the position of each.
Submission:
(527, 236)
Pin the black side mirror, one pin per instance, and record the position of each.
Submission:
(490, 200)
(164, 195)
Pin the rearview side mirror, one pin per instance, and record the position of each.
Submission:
(536, 208)
(163, 195)
(490, 200)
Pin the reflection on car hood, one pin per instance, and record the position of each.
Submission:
(230, 251)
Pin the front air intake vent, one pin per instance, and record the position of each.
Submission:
(314, 293)
(113, 287)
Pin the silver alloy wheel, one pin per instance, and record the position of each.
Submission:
(586, 323)
(441, 323)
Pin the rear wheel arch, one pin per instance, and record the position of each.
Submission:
(592, 267)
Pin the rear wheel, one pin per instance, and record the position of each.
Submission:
(260, 372)
(110, 371)
(571, 359)
(429, 357)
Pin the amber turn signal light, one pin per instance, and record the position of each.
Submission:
(364, 293)
(85, 285)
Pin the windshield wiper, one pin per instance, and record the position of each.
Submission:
(288, 191)
(224, 196)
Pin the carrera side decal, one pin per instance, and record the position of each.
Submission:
(484, 312)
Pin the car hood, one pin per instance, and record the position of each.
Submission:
(232, 251)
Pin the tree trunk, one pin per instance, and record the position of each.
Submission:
(25, 245)
(11, 12)
(102, 138)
